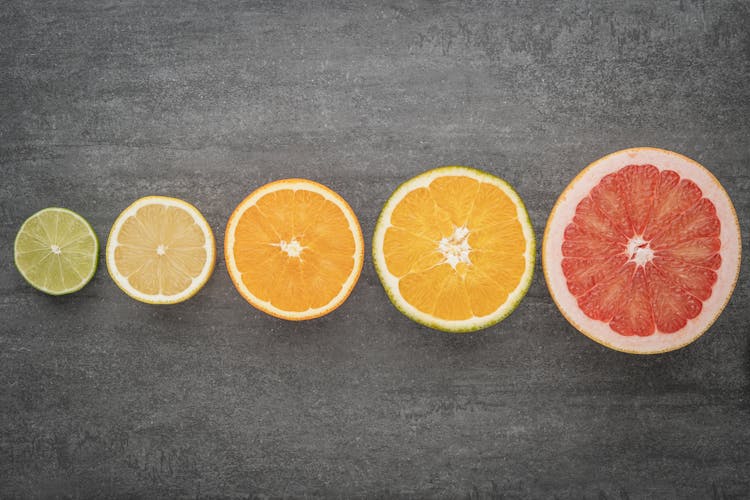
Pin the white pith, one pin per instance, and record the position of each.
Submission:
(291, 248)
(94, 255)
(639, 251)
(564, 211)
(457, 251)
(456, 248)
(294, 249)
(196, 283)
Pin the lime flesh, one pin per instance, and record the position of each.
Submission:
(56, 251)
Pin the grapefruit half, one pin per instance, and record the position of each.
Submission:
(642, 251)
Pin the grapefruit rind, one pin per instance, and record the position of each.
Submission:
(159, 299)
(328, 194)
(95, 255)
(390, 282)
(564, 210)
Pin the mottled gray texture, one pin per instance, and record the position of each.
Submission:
(103, 102)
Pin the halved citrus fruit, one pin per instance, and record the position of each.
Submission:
(294, 249)
(642, 250)
(160, 250)
(454, 249)
(56, 251)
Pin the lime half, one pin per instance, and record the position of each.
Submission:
(56, 251)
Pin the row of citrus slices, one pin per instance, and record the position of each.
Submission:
(641, 251)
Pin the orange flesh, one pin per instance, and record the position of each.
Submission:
(294, 249)
(160, 250)
(475, 220)
(642, 251)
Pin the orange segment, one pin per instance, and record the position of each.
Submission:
(409, 252)
(419, 214)
(294, 249)
(492, 206)
(456, 196)
(451, 249)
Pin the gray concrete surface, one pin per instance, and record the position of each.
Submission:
(102, 102)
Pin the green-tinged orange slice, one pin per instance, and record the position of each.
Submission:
(454, 249)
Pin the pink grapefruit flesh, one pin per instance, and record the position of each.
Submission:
(642, 250)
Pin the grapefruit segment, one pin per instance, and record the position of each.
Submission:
(607, 196)
(583, 274)
(583, 245)
(703, 252)
(642, 250)
(672, 305)
(639, 182)
(594, 223)
(673, 197)
(635, 316)
(604, 300)
(699, 221)
(696, 280)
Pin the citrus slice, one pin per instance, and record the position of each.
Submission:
(454, 249)
(56, 251)
(160, 250)
(642, 250)
(294, 249)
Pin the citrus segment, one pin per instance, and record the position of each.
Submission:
(294, 249)
(642, 250)
(56, 251)
(160, 250)
(454, 249)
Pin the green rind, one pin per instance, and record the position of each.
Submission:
(436, 325)
(86, 280)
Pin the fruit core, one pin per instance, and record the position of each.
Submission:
(455, 248)
(56, 249)
(291, 248)
(639, 251)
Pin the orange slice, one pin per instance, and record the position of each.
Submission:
(294, 249)
(160, 250)
(454, 249)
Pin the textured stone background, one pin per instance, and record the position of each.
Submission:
(102, 102)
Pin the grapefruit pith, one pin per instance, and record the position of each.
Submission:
(642, 250)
